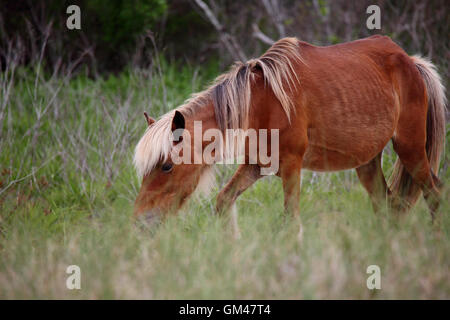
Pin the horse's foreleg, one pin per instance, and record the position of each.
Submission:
(372, 178)
(242, 179)
(290, 173)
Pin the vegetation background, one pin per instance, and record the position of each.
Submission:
(71, 105)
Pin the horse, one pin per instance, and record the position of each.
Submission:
(334, 107)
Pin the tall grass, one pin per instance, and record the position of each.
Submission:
(67, 187)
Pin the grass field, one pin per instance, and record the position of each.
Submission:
(67, 187)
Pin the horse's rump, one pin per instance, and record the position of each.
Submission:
(350, 101)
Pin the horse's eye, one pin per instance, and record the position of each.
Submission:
(167, 167)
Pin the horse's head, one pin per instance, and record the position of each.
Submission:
(166, 182)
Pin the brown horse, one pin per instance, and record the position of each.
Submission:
(335, 108)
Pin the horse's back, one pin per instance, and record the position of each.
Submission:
(348, 95)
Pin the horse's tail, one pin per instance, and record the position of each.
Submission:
(402, 184)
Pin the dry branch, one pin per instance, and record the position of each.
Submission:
(258, 34)
(228, 40)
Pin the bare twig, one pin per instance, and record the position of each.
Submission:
(33, 172)
(273, 9)
(258, 34)
(228, 40)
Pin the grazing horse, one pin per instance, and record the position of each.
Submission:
(335, 108)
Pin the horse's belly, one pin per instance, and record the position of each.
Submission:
(346, 136)
(321, 159)
(333, 150)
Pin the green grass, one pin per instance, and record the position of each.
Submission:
(67, 187)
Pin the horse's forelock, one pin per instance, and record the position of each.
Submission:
(155, 145)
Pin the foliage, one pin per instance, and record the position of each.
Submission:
(71, 112)
(122, 21)
(67, 187)
(116, 34)
(109, 31)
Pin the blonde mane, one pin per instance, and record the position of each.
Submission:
(231, 96)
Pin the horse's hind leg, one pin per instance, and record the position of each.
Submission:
(372, 178)
(410, 147)
(419, 130)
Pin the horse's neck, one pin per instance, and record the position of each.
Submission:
(205, 115)
(198, 122)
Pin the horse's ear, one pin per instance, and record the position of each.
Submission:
(178, 121)
(149, 119)
(256, 68)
